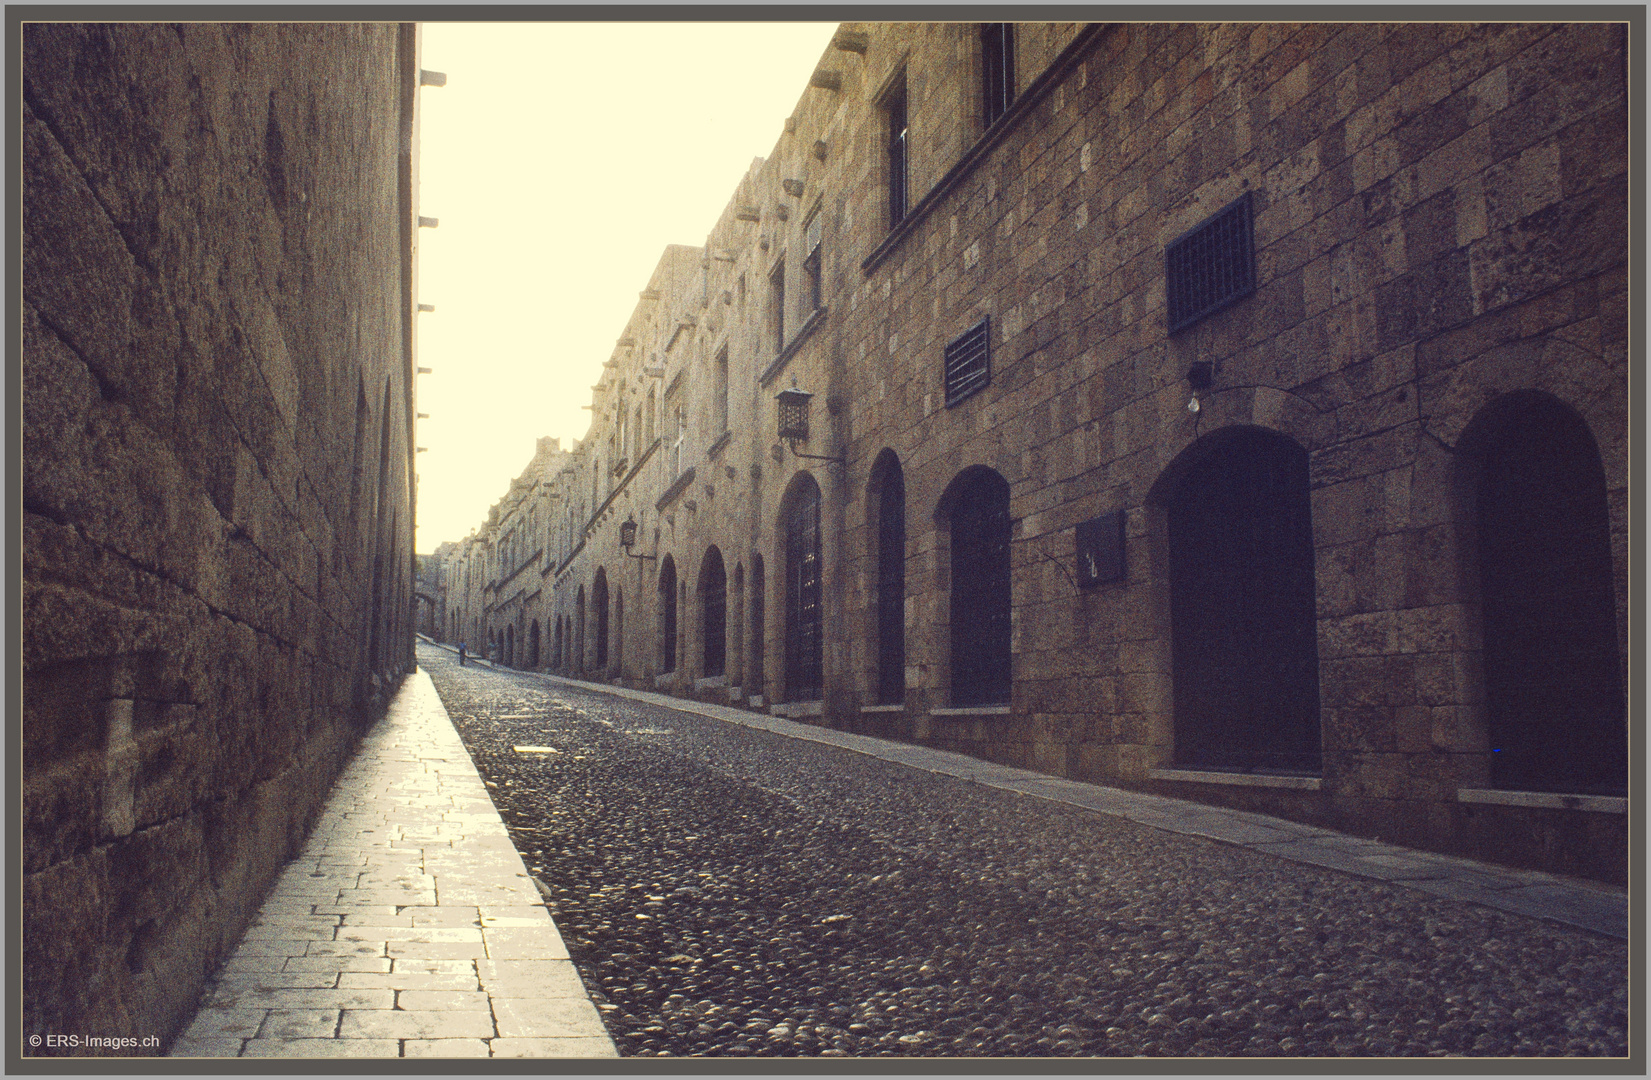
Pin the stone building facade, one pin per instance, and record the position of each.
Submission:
(218, 326)
(1232, 412)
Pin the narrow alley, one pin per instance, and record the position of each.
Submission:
(727, 891)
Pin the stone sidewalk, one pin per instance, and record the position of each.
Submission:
(1574, 902)
(407, 928)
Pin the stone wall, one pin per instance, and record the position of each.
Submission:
(217, 516)
(1440, 239)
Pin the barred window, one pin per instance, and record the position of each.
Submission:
(968, 362)
(1212, 266)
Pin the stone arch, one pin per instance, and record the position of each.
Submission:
(579, 631)
(973, 514)
(756, 675)
(1237, 545)
(886, 518)
(667, 615)
(799, 532)
(1537, 546)
(599, 616)
(713, 607)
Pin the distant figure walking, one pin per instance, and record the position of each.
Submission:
(461, 654)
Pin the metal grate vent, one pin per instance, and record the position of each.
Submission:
(1212, 266)
(968, 362)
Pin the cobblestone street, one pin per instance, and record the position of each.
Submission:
(725, 891)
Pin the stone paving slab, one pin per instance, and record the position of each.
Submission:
(407, 927)
(1592, 906)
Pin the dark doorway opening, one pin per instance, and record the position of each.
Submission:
(713, 601)
(667, 615)
(1555, 710)
(976, 506)
(804, 644)
(1245, 647)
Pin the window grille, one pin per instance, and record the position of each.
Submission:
(1212, 266)
(968, 362)
(997, 75)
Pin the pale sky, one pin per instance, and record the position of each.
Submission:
(561, 159)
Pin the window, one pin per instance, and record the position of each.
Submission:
(719, 392)
(969, 362)
(997, 73)
(676, 434)
(1243, 635)
(894, 114)
(776, 303)
(977, 508)
(811, 261)
(1212, 266)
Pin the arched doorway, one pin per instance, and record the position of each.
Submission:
(755, 671)
(599, 608)
(804, 639)
(713, 606)
(1243, 634)
(975, 510)
(510, 646)
(1556, 716)
(556, 650)
(887, 506)
(579, 631)
(533, 645)
(667, 615)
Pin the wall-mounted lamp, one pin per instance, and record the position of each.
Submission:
(627, 539)
(1200, 377)
(793, 409)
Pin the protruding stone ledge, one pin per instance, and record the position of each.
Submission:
(797, 708)
(1544, 800)
(1199, 776)
(972, 710)
(882, 708)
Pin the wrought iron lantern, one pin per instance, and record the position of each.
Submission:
(793, 413)
(627, 533)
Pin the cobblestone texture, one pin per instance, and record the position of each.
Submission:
(730, 892)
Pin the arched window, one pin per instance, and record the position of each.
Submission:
(976, 509)
(888, 507)
(1243, 636)
(1555, 711)
(804, 641)
(599, 609)
(667, 615)
(713, 606)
